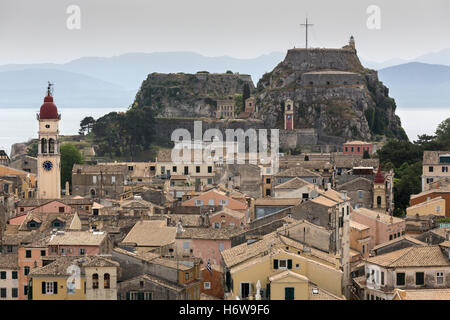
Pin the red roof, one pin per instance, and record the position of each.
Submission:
(379, 177)
(48, 109)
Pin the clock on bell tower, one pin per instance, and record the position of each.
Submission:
(48, 158)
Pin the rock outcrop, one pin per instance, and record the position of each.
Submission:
(332, 92)
(189, 95)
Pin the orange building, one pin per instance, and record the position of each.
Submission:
(29, 257)
(357, 147)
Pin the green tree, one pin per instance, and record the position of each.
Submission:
(245, 94)
(238, 104)
(229, 72)
(86, 125)
(443, 132)
(366, 154)
(32, 150)
(70, 155)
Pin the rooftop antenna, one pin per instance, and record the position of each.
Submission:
(306, 25)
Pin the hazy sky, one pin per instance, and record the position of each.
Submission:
(36, 31)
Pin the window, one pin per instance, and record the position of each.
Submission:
(61, 209)
(210, 181)
(282, 264)
(186, 170)
(444, 169)
(82, 251)
(113, 179)
(221, 246)
(14, 274)
(130, 168)
(430, 169)
(223, 202)
(390, 237)
(267, 180)
(2, 292)
(49, 287)
(163, 169)
(363, 251)
(420, 278)
(186, 275)
(198, 202)
(197, 169)
(3, 275)
(186, 245)
(94, 179)
(211, 202)
(106, 281)
(346, 149)
(400, 279)
(28, 254)
(26, 270)
(245, 290)
(71, 287)
(360, 194)
(54, 249)
(95, 281)
(439, 277)
(25, 290)
(209, 169)
(382, 278)
(216, 225)
(148, 296)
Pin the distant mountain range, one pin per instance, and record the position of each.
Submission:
(113, 82)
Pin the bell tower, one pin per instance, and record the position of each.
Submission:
(48, 158)
(379, 192)
(289, 115)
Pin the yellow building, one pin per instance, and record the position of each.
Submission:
(24, 183)
(75, 278)
(283, 269)
(435, 206)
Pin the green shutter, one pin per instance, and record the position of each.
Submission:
(128, 296)
(275, 263)
(268, 291)
(43, 287)
(289, 264)
(140, 296)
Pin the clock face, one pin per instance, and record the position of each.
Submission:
(47, 165)
(289, 116)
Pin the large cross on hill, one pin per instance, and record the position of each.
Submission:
(306, 25)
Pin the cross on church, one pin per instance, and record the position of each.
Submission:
(50, 89)
(306, 25)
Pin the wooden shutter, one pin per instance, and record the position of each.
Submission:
(289, 262)
(275, 263)
(43, 287)
(268, 290)
(55, 287)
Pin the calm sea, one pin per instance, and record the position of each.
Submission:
(20, 125)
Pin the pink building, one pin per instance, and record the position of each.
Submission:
(227, 218)
(205, 243)
(382, 227)
(79, 243)
(216, 198)
(357, 147)
(29, 257)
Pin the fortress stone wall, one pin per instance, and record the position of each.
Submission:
(314, 59)
(330, 78)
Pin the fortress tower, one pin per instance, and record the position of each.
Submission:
(48, 158)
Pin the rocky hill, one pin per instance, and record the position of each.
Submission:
(332, 92)
(189, 95)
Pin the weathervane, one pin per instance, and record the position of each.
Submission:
(306, 25)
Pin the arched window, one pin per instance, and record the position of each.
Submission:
(378, 201)
(43, 145)
(51, 146)
(106, 281)
(93, 192)
(95, 281)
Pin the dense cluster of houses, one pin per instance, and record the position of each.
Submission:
(320, 228)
